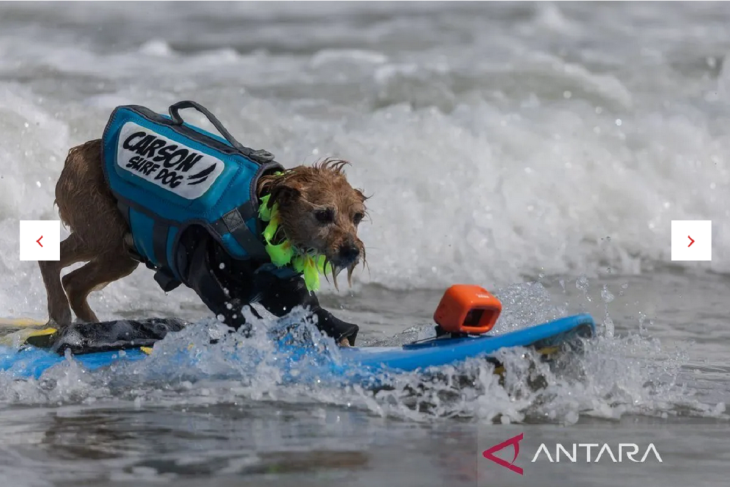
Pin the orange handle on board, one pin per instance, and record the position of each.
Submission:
(466, 308)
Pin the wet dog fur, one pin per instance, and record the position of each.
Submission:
(319, 211)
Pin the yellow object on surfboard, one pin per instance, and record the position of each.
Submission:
(16, 331)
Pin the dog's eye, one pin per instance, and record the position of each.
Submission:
(325, 216)
(358, 218)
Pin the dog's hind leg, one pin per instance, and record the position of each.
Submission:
(73, 250)
(104, 269)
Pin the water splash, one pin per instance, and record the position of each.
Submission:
(207, 363)
(607, 297)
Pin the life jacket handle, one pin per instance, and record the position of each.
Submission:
(259, 155)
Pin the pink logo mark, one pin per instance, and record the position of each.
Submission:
(515, 442)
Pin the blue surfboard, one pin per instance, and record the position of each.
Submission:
(444, 351)
(358, 364)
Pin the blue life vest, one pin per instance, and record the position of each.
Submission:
(167, 175)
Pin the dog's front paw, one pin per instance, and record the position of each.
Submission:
(51, 323)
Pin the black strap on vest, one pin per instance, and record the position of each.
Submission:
(163, 276)
(166, 280)
(124, 210)
(159, 242)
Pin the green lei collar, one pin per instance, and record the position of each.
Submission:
(285, 253)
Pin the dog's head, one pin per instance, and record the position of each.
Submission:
(320, 212)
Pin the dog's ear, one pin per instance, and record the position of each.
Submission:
(284, 193)
(361, 195)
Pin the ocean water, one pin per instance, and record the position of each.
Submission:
(540, 150)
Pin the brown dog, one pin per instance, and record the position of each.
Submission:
(319, 210)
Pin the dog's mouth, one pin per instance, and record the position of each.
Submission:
(337, 268)
(335, 264)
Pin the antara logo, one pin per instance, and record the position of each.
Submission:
(629, 449)
(575, 453)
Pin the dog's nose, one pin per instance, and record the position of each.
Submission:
(349, 252)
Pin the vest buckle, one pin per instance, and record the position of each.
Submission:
(261, 155)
